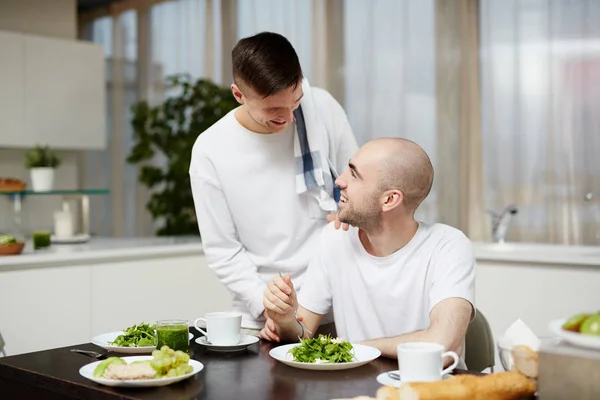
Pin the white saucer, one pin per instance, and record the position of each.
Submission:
(385, 379)
(75, 239)
(245, 341)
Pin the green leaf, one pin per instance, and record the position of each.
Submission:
(136, 336)
(323, 349)
(41, 156)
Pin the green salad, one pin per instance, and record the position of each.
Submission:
(323, 350)
(7, 239)
(140, 335)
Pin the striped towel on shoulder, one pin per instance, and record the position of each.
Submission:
(314, 173)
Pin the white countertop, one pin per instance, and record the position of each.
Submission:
(102, 249)
(538, 253)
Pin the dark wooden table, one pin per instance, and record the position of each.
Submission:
(248, 375)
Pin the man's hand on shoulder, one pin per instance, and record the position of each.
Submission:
(334, 217)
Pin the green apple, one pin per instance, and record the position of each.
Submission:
(574, 323)
(103, 366)
(591, 326)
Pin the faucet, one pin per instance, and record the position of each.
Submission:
(501, 221)
(589, 196)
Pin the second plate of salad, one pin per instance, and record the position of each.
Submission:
(324, 353)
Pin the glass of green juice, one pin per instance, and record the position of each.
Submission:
(173, 333)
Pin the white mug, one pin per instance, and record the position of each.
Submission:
(423, 362)
(222, 328)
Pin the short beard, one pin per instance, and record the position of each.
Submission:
(367, 219)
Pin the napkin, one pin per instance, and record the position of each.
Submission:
(520, 334)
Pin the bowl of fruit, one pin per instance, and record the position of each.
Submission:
(10, 246)
(581, 329)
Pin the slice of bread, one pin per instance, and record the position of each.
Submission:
(525, 361)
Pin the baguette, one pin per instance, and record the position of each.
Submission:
(510, 385)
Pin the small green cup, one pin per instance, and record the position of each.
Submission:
(41, 240)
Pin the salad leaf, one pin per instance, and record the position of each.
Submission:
(323, 349)
(136, 336)
(7, 239)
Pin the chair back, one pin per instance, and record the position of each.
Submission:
(479, 344)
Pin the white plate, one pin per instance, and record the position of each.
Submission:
(103, 339)
(364, 354)
(577, 339)
(87, 371)
(385, 379)
(75, 239)
(245, 341)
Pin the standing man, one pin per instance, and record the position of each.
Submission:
(263, 176)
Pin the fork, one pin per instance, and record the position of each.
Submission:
(296, 312)
(94, 354)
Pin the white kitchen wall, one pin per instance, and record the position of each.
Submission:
(37, 211)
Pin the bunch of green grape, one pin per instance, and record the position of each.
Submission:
(169, 363)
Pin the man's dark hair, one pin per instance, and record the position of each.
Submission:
(267, 63)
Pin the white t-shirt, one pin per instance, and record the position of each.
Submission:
(252, 222)
(374, 297)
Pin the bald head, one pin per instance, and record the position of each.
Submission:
(403, 165)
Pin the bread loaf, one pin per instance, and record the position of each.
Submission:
(510, 385)
(11, 185)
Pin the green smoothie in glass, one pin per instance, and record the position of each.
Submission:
(173, 333)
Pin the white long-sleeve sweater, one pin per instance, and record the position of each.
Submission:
(252, 222)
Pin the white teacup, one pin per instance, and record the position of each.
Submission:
(222, 328)
(423, 362)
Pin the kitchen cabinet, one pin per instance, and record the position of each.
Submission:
(59, 87)
(44, 308)
(126, 293)
(65, 295)
(12, 91)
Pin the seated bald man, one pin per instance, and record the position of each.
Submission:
(389, 279)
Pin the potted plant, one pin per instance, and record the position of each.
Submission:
(167, 132)
(41, 162)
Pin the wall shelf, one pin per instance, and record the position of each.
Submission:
(83, 192)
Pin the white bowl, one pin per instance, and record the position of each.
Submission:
(504, 350)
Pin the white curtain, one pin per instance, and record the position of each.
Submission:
(117, 213)
(178, 43)
(290, 18)
(541, 119)
(539, 75)
(388, 73)
(179, 37)
(389, 70)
